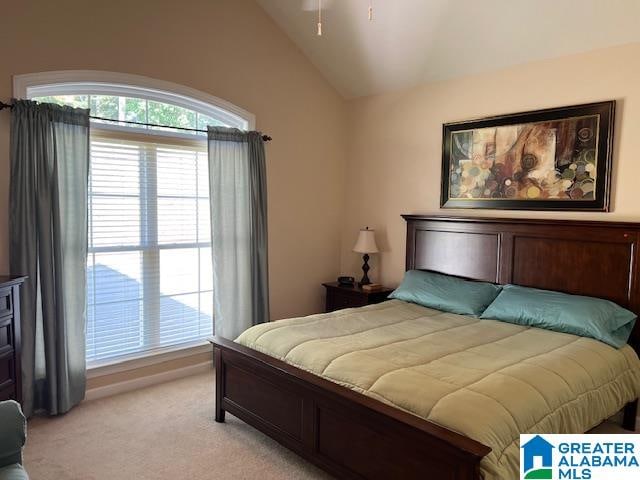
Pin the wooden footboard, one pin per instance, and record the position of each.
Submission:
(342, 431)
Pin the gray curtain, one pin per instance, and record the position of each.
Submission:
(238, 192)
(48, 242)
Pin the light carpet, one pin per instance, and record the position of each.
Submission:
(162, 432)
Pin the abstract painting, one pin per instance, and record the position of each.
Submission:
(549, 159)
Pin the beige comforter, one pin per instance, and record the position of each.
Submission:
(488, 380)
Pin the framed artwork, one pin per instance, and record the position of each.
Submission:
(553, 159)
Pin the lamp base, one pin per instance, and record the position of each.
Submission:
(365, 268)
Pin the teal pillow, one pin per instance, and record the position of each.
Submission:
(446, 293)
(561, 312)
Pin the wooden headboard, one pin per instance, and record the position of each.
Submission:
(598, 259)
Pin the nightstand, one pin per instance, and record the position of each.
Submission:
(339, 296)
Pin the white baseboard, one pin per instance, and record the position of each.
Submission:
(142, 382)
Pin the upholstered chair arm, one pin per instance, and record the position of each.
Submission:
(13, 430)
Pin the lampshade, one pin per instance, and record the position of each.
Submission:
(366, 242)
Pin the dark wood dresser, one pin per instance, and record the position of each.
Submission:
(10, 373)
(340, 296)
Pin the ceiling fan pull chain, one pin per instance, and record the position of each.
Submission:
(319, 32)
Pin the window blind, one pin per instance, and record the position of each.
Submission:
(149, 275)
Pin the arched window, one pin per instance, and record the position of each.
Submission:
(149, 279)
(132, 97)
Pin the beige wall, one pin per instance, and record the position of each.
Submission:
(227, 48)
(394, 153)
(322, 186)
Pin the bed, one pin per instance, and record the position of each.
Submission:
(306, 395)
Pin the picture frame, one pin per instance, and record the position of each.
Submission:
(551, 159)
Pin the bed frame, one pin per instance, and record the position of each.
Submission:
(351, 435)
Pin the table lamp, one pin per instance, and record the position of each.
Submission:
(366, 244)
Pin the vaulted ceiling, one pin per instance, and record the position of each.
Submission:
(410, 42)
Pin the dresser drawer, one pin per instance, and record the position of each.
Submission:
(10, 372)
(352, 296)
(7, 370)
(8, 393)
(6, 302)
(340, 300)
(6, 332)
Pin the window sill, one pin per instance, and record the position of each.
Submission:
(133, 362)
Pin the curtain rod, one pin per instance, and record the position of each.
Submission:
(266, 138)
